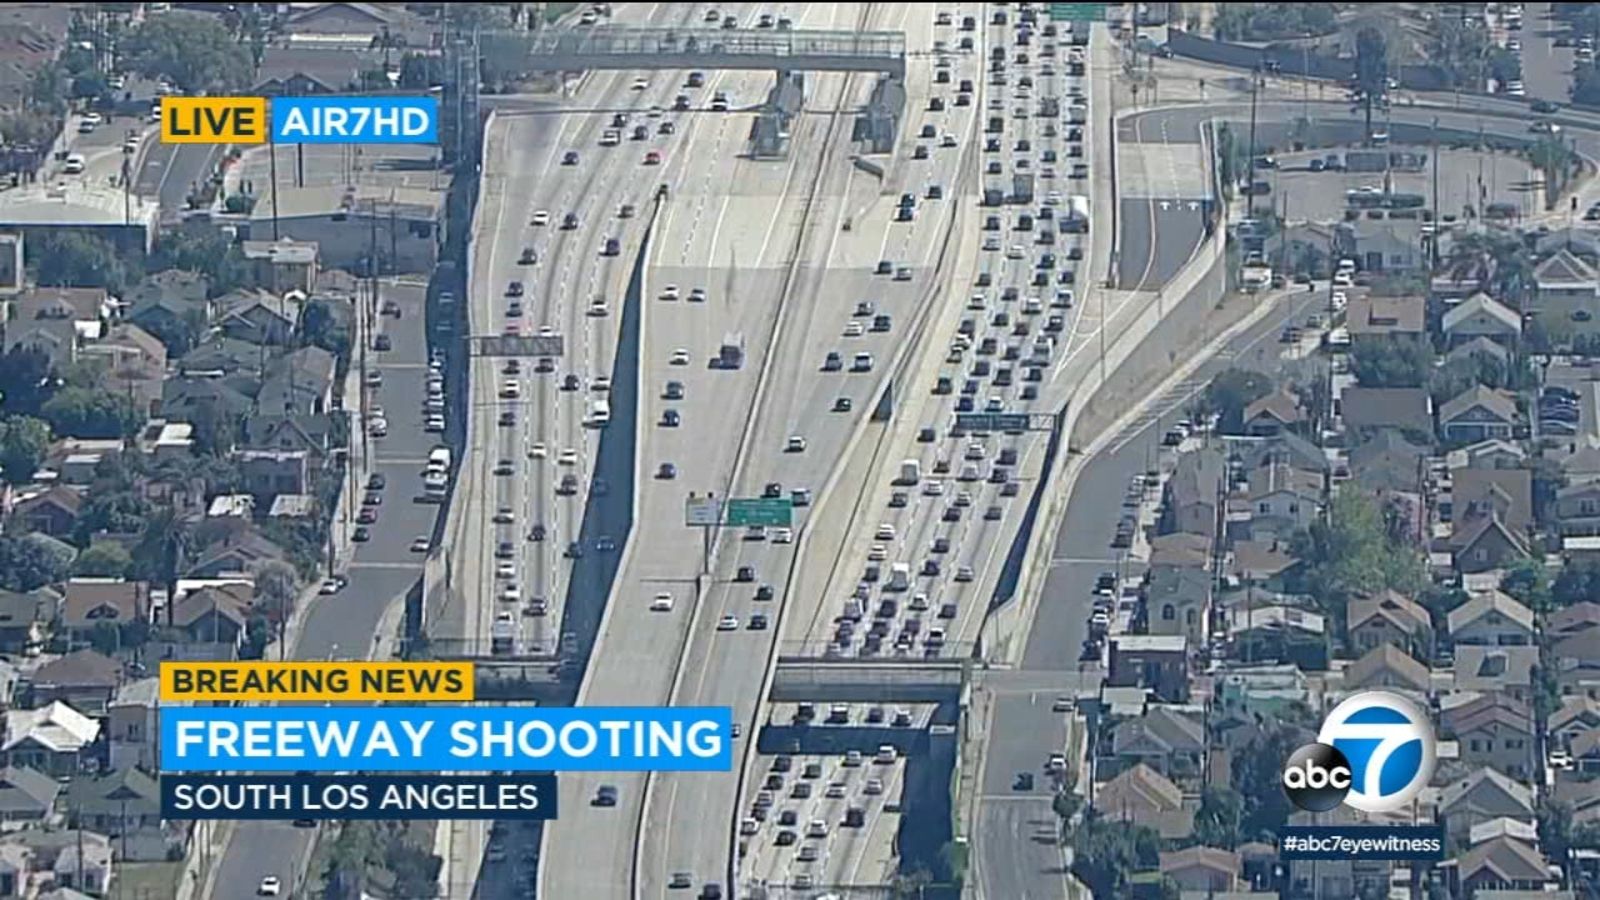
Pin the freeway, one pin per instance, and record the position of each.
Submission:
(345, 625)
(169, 172)
(704, 240)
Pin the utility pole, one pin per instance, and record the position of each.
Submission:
(272, 162)
(1250, 183)
(1433, 239)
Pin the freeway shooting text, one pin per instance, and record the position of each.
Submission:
(421, 739)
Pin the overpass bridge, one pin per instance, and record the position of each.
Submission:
(636, 48)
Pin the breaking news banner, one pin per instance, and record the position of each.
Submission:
(345, 797)
(318, 682)
(446, 739)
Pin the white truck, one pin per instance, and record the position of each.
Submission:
(439, 460)
(599, 412)
(1077, 217)
(910, 472)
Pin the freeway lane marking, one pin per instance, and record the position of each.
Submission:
(386, 565)
(1082, 560)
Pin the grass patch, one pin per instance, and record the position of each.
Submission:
(147, 880)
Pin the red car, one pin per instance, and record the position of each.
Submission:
(653, 158)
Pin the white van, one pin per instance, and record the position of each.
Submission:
(599, 412)
(439, 460)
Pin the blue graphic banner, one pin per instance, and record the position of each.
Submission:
(355, 120)
(446, 739)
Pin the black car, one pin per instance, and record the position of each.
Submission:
(764, 592)
(536, 534)
(745, 573)
(570, 158)
(574, 550)
(1024, 782)
(376, 481)
(361, 535)
(514, 289)
(758, 622)
(605, 796)
(669, 418)
(772, 490)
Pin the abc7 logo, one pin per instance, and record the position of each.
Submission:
(1316, 777)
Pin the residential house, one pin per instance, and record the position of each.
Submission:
(126, 805)
(217, 613)
(259, 317)
(237, 552)
(54, 739)
(173, 305)
(1388, 618)
(1576, 661)
(17, 866)
(1506, 669)
(1575, 717)
(25, 617)
(85, 863)
(1494, 729)
(1482, 796)
(93, 602)
(1565, 294)
(1471, 352)
(268, 473)
(1578, 239)
(283, 265)
(1578, 508)
(220, 356)
(1285, 447)
(1181, 549)
(1490, 454)
(136, 364)
(1167, 739)
(1477, 414)
(1502, 864)
(1159, 663)
(1273, 414)
(1143, 796)
(1579, 618)
(1491, 618)
(355, 24)
(1209, 870)
(1368, 316)
(1387, 462)
(1484, 543)
(1178, 601)
(1282, 500)
(83, 679)
(1279, 633)
(1481, 316)
(311, 434)
(1388, 667)
(1261, 692)
(27, 797)
(290, 71)
(194, 399)
(1490, 512)
(1193, 494)
(52, 511)
(1383, 245)
(298, 384)
(56, 321)
(1366, 410)
(133, 725)
(1263, 563)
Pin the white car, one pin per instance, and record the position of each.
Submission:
(680, 357)
(600, 384)
(782, 535)
(510, 593)
(853, 329)
(568, 457)
(598, 309)
(933, 488)
(75, 164)
(796, 444)
(877, 553)
(670, 292)
(540, 217)
(728, 623)
(505, 570)
(378, 427)
(661, 603)
(641, 83)
(963, 573)
(538, 450)
(991, 243)
(270, 887)
(421, 544)
(1014, 251)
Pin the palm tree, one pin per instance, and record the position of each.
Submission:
(164, 549)
(1372, 70)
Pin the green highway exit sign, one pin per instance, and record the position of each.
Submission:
(1078, 12)
(771, 511)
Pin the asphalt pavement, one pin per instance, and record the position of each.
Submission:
(345, 625)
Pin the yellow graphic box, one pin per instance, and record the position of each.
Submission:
(411, 682)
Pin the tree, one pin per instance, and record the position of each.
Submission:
(163, 550)
(1372, 70)
(1216, 822)
(194, 52)
(70, 259)
(27, 564)
(1231, 391)
(1496, 259)
(320, 327)
(1258, 771)
(1390, 361)
(91, 413)
(25, 382)
(420, 72)
(1272, 21)
(202, 248)
(1578, 581)
(1354, 551)
(23, 443)
(1526, 582)
(277, 586)
(1106, 852)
